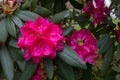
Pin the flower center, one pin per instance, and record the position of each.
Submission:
(80, 42)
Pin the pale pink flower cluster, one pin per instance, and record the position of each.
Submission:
(40, 39)
(84, 44)
(97, 10)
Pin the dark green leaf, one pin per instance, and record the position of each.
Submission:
(26, 4)
(13, 43)
(16, 53)
(26, 15)
(6, 62)
(48, 63)
(108, 55)
(83, 20)
(21, 65)
(29, 70)
(59, 6)
(3, 32)
(104, 43)
(69, 56)
(17, 21)
(34, 4)
(57, 18)
(118, 77)
(10, 26)
(67, 30)
(44, 12)
(118, 52)
(65, 70)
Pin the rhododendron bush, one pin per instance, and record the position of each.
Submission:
(59, 40)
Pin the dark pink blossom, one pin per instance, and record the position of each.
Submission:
(40, 39)
(84, 44)
(118, 35)
(97, 10)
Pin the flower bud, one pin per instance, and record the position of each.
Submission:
(9, 6)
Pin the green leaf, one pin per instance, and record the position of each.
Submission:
(6, 62)
(59, 6)
(3, 31)
(34, 4)
(16, 53)
(67, 30)
(17, 21)
(29, 70)
(104, 43)
(88, 73)
(108, 55)
(65, 70)
(69, 56)
(26, 4)
(83, 20)
(10, 26)
(57, 18)
(26, 15)
(118, 77)
(118, 52)
(21, 65)
(44, 12)
(48, 63)
(13, 43)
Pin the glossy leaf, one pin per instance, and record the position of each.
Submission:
(48, 63)
(57, 18)
(69, 56)
(17, 21)
(26, 15)
(65, 70)
(44, 12)
(29, 70)
(3, 32)
(10, 26)
(7, 63)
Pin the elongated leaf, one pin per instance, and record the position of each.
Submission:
(6, 62)
(57, 18)
(3, 32)
(33, 4)
(26, 15)
(65, 70)
(48, 63)
(17, 21)
(44, 12)
(118, 52)
(10, 26)
(21, 65)
(59, 6)
(103, 43)
(69, 56)
(67, 30)
(16, 53)
(29, 70)
(26, 4)
(108, 55)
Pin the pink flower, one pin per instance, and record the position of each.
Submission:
(84, 44)
(97, 10)
(40, 39)
(37, 75)
(118, 35)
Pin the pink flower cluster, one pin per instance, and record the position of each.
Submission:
(97, 10)
(40, 39)
(84, 44)
(118, 35)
